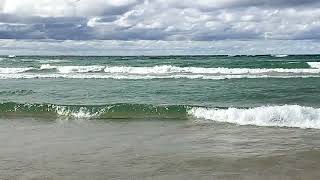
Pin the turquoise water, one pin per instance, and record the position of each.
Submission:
(222, 88)
(168, 117)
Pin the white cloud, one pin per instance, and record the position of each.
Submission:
(171, 20)
(60, 8)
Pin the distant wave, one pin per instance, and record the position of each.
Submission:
(163, 70)
(16, 92)
(73, 69)
(137, 77)
(280, 55)
(52, 61)
(280, 116)
(167, 69)
(154, 72)
(14, 70)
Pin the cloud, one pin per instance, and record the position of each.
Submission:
(218, 4)
(166, 20)
(153, 47)
(62, 8)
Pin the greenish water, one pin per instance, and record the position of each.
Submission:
(165, 87)
(167, 117)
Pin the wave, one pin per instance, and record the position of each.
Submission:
(314, 64)
(280, 55)
(154, 72)
(112, 111)
(168, 69)
(279, 116)
(43, 61)
(73, 69)
(144, 77)
(16, 92)
(14, 70)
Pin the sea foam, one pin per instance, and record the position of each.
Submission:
(136, 77)
(82, 113)
(280, 116)
(154, 72)
(13, 70)
(280, 55)
(168, 69)
(314, 65)
(73, 69)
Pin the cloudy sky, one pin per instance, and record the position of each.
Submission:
(104, 27)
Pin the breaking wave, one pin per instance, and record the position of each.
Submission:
(314, 65)
(154, 72)
(111, 111)
(280, 55)
(279, 116)
(168, 69)
(137, 77)
(14, 70)
(72, 69)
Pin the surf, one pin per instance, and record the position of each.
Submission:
(154, 72)
(107, 111)
(293, 116)
(275, 116)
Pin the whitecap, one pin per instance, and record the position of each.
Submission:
(13, 70)
(136, 77)
(314, 65)
(280, 55)
(82, 113)
(73, 69)
(280, 116)
(168, 69)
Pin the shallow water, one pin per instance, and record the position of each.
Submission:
(121, 149)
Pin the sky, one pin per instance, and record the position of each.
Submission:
(159, 27)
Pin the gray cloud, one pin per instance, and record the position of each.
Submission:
(168, 20)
